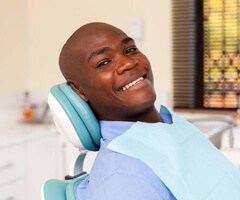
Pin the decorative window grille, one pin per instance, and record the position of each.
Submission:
(221, 53)
(206, 53)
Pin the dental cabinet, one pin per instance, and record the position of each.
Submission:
(29, 154)
(32, 154)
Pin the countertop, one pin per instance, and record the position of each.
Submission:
(12, 126)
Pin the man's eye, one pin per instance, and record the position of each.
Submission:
(103, 63)
(131, 50)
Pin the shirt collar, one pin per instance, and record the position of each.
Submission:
(112, 129)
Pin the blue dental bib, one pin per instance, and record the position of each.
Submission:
(182, 157)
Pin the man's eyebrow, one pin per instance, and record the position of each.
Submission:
(126, 40)
(98, 52)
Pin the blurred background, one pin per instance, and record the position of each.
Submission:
(195, 64)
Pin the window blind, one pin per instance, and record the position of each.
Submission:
(184, 53)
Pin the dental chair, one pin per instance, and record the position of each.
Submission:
(75, 120)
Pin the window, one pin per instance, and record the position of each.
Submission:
(206, 58)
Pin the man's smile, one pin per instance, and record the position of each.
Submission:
(132, 83)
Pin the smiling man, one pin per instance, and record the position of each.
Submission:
(104, 66)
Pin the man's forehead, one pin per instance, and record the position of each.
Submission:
(89, 40)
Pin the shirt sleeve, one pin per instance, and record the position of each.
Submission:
(129, 187)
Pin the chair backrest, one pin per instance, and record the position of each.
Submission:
(74, 118)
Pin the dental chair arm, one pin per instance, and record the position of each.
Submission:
(61, 189)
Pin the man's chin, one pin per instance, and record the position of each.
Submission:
(142, 102)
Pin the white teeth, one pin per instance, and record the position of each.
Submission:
(124, 88)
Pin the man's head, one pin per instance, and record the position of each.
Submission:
(104, 66)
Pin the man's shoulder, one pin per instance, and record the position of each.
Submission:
(118, 174)
(109, 163)
(122, 184)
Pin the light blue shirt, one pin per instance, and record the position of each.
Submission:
(116, 176)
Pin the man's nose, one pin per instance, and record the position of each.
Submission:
(126, 64)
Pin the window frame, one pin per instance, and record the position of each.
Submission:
(198, 75)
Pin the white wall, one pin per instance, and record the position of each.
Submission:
(45, 25)
(12, 46)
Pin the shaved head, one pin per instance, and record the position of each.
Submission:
(72, 54)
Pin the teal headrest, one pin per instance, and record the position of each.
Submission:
(74, 118)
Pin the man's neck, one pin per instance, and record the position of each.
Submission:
(151, 117)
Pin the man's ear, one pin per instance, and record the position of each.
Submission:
(79, 91)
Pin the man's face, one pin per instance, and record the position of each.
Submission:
(114, 76)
